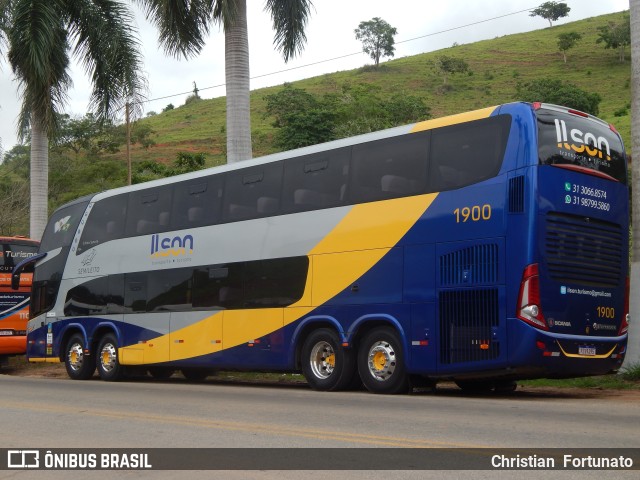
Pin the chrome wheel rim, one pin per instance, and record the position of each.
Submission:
(381, 360)
(322, 360)
(108, 357)
(75, 357)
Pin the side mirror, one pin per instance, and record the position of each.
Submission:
(17, 270)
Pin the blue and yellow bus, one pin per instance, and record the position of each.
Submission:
(481, 248)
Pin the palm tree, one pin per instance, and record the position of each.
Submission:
(42, 35)
(289, 20)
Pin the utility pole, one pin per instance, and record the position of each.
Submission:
(127, 120)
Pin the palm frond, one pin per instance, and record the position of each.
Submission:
(182, 24)
(38, 54)
(109, 50)
(289, 21)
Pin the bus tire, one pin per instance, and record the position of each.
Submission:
(381, 362)
(107, 361)
(79, 365)
(326, 364)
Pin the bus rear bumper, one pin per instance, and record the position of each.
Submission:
(556, 355)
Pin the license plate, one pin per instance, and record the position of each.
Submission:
(589, 351)
(6, 333)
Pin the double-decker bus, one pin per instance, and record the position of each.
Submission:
(14, 304)
(482, 248)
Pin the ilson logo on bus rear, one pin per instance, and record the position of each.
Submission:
(167, 246)
(582, 142)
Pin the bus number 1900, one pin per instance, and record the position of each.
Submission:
(474, 213)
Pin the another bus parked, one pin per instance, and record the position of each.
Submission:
(482, 247)
(14, 304)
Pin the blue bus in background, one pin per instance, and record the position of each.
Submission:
(482, 248)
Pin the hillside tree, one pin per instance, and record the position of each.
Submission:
(551, 11)
(567, 41)
(446, 66)
(560, 93)
(377, 39)
(616, 36)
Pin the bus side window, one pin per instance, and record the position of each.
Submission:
(468, 153)
(197, 203)
(106, 222)
(389, 168)
(316, 181)
(145, 209)
(218, 286)
(135, 294)
(252, 193)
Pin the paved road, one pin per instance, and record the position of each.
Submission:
(56, 413)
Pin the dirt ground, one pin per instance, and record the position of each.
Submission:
(19, 367)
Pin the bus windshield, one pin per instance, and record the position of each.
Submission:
(579, 142)
(13, 253)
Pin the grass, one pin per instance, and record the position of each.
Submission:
(627, 379)
(497, 65)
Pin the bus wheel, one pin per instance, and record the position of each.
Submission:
(381, 362)
(78, 364)
(326, 365)
(109, 367)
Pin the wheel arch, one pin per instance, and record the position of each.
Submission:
(363, 325)
(304, 329)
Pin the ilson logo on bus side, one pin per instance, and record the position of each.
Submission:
(582, 139)
(167, 246)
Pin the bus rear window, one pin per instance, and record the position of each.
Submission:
(570, 140)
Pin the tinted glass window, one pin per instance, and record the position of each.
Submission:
(252, 192)
(467, 153)
(88, 299)
(316, 181)
(149, 211)
(169, 290)
(218, 286)
(62, 227)
(135, 292)
(394, 167)
(106, 222)
(566, 139)
(59, 233)
(275, 283)
(13, 253)
(197, 203)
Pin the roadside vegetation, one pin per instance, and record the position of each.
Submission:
(88, 158)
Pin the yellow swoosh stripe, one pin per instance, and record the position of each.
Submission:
(354, 246)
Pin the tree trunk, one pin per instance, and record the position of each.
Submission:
(237, 78)
(39, 179)
(633, 351)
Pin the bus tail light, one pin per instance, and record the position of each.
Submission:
(529, 308)
(624, 324)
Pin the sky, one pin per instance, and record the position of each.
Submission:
(422, 25)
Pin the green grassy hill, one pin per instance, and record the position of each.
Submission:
(497, 65)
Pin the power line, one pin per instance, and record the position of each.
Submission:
(349, 54)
